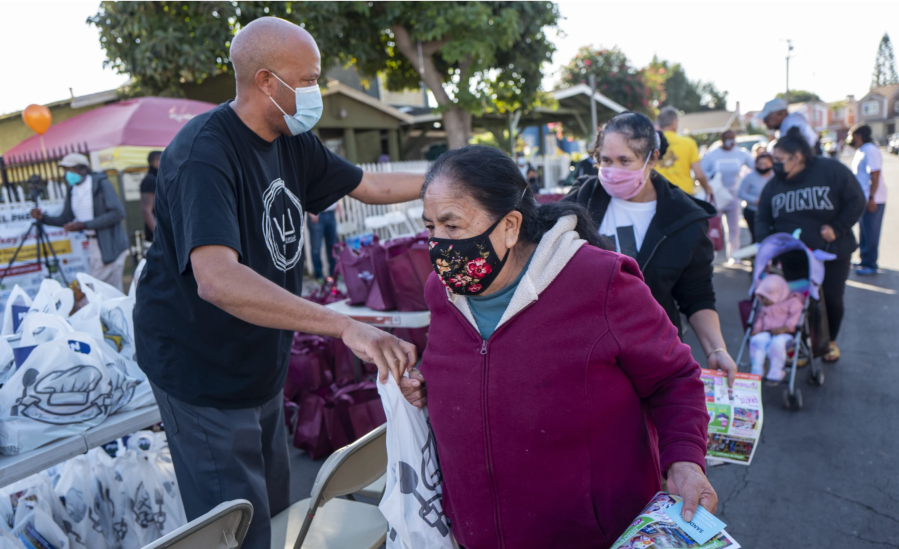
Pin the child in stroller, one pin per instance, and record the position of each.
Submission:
(775, 325)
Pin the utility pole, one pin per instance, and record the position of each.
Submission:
(789, 51)
(592, 80)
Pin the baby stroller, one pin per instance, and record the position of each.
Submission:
(803, 270)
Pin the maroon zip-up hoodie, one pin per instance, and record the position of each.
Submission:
(546, 433)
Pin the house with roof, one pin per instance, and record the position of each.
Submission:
(879, 108)
(711, 122)
(816, 112)
(842, 116)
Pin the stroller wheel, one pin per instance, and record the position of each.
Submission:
(794, 401)
(816, 378)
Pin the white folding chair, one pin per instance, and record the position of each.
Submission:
(414, 215)
(375, 490)
(225, 527)
(324, 522)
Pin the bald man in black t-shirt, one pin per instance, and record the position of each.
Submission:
(218, 302)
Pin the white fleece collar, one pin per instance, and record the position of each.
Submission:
(553, 253)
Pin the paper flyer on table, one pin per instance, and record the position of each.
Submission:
(735, 417)
(653, 528)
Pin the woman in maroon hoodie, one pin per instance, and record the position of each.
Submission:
(558, 390)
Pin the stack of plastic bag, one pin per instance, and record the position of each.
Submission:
(96, 500)
(64, 373)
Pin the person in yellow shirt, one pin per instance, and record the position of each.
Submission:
(682, 156)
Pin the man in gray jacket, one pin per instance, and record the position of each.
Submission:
(93, 206)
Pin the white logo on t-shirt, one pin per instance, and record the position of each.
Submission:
(282, 225)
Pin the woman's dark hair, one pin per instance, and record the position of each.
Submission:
(863, 131)
(794, 143)
(492, 178)
(637, 128)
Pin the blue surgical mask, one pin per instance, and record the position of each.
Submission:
(309, 108)
(73, 178)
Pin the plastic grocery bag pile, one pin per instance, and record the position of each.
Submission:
(123, 496)
(63, 373)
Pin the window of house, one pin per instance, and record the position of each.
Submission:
(870, 107)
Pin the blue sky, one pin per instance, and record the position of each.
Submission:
(738, 44)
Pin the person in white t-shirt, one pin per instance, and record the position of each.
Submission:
(867, 165)
(728, 162)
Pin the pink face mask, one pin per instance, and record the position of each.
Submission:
(623, 183)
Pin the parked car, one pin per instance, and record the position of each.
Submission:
(893, 143)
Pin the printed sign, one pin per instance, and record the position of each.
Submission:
(735, 416)
(71, 249)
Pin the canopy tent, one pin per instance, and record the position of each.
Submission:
(143, 122)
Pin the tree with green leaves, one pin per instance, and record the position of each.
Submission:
(884, 64)
(615, 77)
(689, 95)
(799, 96)
(475, 57)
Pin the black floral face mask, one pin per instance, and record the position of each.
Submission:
(467, 266)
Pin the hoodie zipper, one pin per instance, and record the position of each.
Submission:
(653, 252)
(483, 352)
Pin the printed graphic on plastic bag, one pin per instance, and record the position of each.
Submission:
(412, 497)
(63, 388)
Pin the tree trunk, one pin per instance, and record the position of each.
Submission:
(457, 123)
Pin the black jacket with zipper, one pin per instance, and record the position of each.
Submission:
(676, 255)
(825, 193)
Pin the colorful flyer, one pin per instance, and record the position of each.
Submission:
(653, 528)
(735, 416)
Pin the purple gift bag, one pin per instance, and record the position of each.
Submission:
(380, 296)
(357, 270)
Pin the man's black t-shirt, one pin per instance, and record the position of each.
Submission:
(148, 186)
(221, 184)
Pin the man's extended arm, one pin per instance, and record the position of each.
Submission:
(699, 174)
(243, 293)
(388, 188)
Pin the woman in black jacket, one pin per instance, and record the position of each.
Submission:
(823, 198)
(657, 224)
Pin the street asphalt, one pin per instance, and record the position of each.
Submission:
(826, 476)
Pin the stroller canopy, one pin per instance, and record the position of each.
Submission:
(780, 243)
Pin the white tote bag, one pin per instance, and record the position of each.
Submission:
(53, 298)
(18, 301)
(412, 503)
(723, 197)
(76, 489)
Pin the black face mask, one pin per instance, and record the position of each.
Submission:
(467, 266)
(779, 170)
(763, 171)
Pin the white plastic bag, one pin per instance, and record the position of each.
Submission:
(96, 290)
(21, 300)
(8, 541)
(116, 315)
(720, 194)
(63, 389)
(53, 298)
(135, 279)
(7, 360)
(77, 492)
(411, 504)
(109, 505)
(38, 530)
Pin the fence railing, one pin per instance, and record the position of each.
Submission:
(17, 171)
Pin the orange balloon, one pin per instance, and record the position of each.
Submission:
(37, 117)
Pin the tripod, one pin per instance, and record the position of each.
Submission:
(37, 226)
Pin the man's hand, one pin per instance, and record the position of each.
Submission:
(37, 213)
(74, 226)
(390, 354)
(872, 206)
(686, 479)
(827, 233)
(721, 360)
(413, 388)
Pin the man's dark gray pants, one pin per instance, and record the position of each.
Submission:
(221, 455)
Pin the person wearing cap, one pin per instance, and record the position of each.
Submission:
(776, 118)
(92, 206)
(751, 187)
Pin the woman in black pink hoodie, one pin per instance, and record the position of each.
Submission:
(821, 197)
